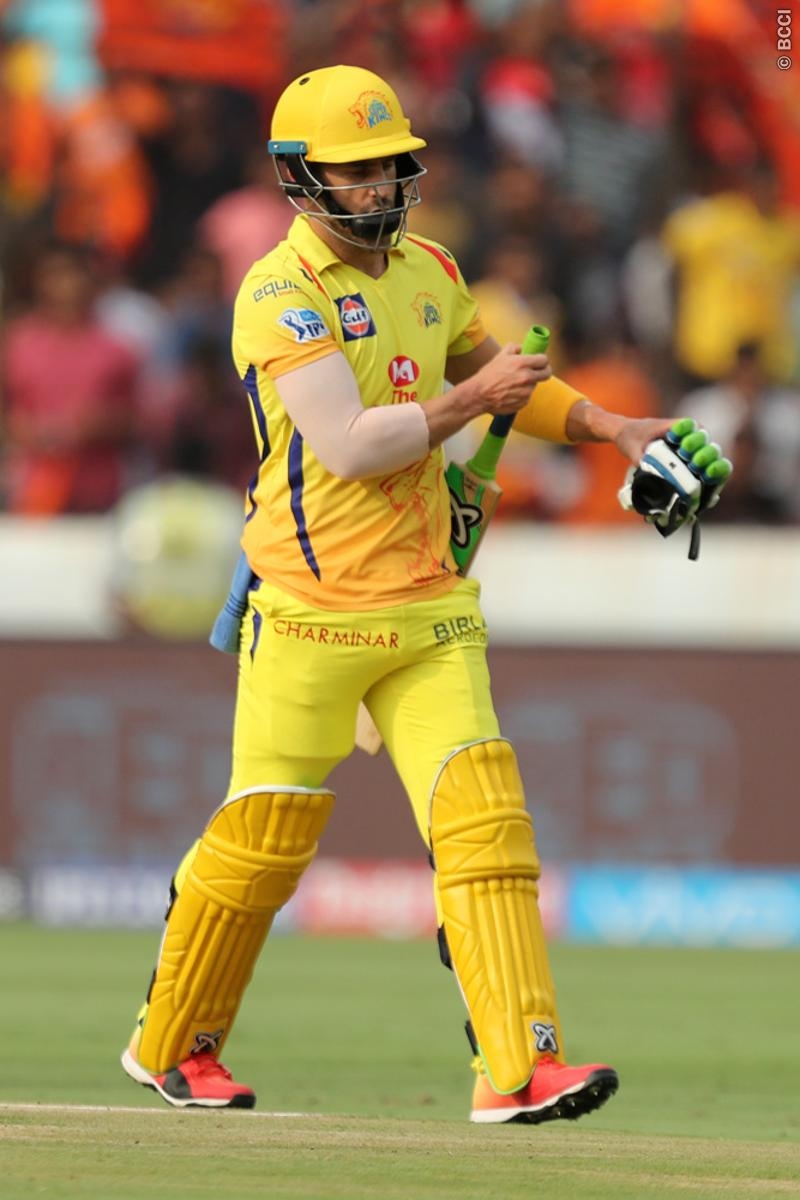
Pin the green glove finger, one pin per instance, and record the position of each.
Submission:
(692, 443)
(683, 426)
(706, 456)
(719, 471)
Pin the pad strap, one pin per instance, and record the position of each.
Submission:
(487, 874)
(248, 864)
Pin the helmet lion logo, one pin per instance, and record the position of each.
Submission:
(371, 109)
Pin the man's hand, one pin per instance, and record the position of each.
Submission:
(679, 476)
(637, 433)
(505, 383)
(587, 422)
(489, 379)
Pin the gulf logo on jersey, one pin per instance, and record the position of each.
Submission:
(356, 318)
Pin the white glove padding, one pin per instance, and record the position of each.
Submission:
(680, 476)
(662, 489)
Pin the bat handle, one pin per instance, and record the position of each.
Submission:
(501, 424)
(535, 341)
(485, 460)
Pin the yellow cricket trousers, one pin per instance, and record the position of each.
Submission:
(419, 667)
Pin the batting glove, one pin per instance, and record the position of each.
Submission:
(679, 477)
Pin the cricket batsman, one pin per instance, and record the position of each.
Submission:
(343, 337)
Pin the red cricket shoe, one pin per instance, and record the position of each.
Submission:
(198, 1082)
(554, 1092)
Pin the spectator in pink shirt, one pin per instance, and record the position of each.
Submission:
(68, 396)
(246, 223)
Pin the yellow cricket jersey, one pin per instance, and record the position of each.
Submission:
(738, 268)
(352, 544)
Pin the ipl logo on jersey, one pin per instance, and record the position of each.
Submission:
(355, 317)
(370, 109)
(304, 323)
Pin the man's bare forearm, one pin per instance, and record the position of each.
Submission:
(587, 422)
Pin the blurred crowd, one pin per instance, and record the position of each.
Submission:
(626, 171)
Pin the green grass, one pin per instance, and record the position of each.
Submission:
(368, 1037)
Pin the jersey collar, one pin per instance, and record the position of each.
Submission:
(303, 239)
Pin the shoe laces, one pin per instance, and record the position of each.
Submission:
(548, 1061)
(205, 1063)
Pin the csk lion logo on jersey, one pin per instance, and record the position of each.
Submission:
(428, 309)
(356, 318)
(371, 109)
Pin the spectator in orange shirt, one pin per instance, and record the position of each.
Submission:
(613, 375)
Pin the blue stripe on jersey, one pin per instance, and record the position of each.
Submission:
(251, 500)
(257, 619)
(296, 484)
(251, 385)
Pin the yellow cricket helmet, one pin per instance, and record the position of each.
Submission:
(341, 114)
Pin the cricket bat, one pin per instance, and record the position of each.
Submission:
(474, 496)
(474, 492)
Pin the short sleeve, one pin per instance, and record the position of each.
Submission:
(466, 329)
(279, 326)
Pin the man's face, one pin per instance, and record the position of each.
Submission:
(371, 184)
(64, 285)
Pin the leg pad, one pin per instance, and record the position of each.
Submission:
(487, 874)
(248, 864)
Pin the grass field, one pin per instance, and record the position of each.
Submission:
(362, 1041)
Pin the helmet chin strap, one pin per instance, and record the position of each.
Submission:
(368, 227)
(373, 225)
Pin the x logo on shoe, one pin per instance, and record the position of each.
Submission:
(545, 1037)
(206, 1042)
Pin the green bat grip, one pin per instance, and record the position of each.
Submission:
(467, 516)
(485, 459)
